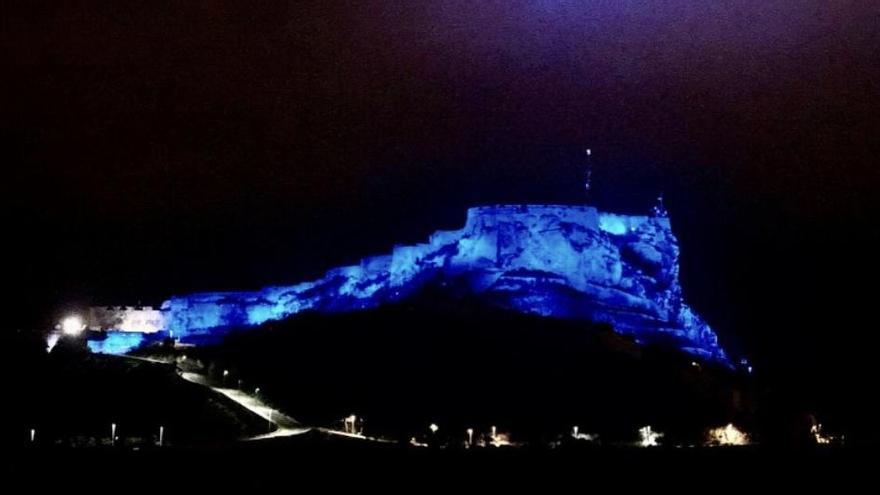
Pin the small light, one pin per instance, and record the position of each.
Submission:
(433, 428)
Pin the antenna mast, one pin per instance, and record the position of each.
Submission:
(659, 209)
(588, 175)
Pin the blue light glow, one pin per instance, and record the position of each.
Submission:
(561, 261)
(116, 343)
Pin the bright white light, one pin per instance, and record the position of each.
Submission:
(433, 428)
(51, 340)
(648, 437)
(727, 435)
(577, 435)
(72, 325)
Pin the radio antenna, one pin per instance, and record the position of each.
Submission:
(588, 174)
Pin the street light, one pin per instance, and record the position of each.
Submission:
(433, 428)
(470, 432)
(112, 434)
(225, 374)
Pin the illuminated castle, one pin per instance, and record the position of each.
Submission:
(570, 262)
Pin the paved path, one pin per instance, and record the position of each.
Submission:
(285, 425)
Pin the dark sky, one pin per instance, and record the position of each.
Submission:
(157, 147)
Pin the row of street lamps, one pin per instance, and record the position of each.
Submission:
(470, 433)
(113, 436)
(240, 383)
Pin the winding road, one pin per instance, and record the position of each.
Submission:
(285, 426)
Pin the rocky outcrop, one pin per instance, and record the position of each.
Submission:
(570, 262)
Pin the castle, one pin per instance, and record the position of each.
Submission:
(562, 261)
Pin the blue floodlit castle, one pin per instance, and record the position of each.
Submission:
(571, 262)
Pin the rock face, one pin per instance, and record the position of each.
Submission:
(570, 262)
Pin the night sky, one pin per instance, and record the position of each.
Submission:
(158, 147)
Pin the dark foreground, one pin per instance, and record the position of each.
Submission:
(316, 462)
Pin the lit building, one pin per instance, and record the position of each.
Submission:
(120, 329)
(125, 319)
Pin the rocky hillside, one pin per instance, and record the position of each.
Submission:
(569, 262)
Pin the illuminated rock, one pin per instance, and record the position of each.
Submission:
(570, 262)
(116, 342)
